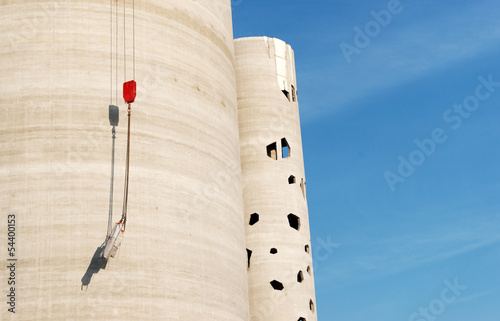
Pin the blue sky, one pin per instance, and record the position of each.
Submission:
(401, 146)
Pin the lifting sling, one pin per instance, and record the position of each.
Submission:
(114, 238)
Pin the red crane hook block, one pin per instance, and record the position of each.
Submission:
(129, 91)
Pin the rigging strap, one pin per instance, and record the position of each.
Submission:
(127, 165)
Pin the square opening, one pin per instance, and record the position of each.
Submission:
(285, 148)
(303, 187)
(271, 151)
(249, 255)
(300, 277)
(286, 93)
(254, 218)
(294, 221)
(277, 285)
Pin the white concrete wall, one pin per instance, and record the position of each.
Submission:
(183, 256)
(266, 116)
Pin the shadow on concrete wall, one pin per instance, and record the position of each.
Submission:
(114, 113)
(97, 263)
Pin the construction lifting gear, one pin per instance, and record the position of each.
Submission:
(115, 237)
(113, 242)
(129, 93)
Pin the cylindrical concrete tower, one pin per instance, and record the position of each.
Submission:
(183, 255)
(281, 284)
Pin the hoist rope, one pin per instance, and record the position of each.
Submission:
(124, 39)
(127, 162)
(116, 52)
(110, 213)
(111, 51)
(129, 111)
(133, 32)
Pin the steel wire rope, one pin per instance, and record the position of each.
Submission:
(111, 51)
(133, 34)
(116, 53)
(124, 39)
(129, 111)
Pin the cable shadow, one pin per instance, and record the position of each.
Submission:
(113, 121)
(97, 263)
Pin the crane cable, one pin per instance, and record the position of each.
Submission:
(127, 165)
(116, 52)
(129, 111)
(129, 93)
(111, 50)
(125, 36)
(115, 69)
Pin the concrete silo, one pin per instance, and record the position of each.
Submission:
(183, 257)
(281, 285)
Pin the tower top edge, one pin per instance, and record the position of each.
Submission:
(261, 38)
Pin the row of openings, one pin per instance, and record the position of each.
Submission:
(287, 94)
(277, 285)
(293, 220)
(274, 251)
(272, 149)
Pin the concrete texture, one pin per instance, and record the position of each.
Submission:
(280, 276)
(183, 256)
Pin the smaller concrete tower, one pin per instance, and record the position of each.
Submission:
(280, 276)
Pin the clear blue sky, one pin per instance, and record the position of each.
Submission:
(401, 144)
